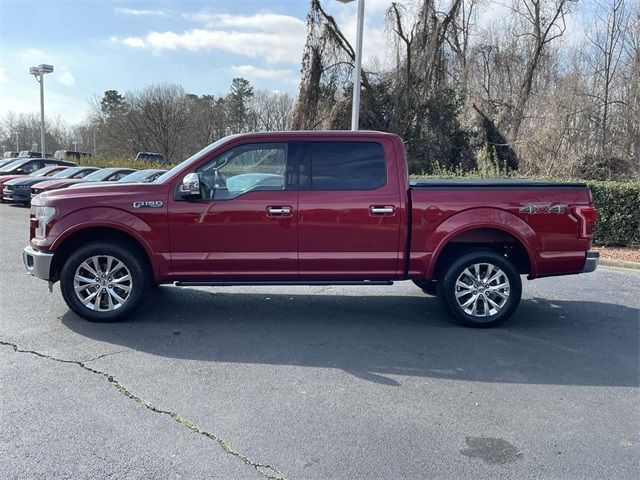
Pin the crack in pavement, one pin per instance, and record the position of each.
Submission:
(108, 354)
(267, 471)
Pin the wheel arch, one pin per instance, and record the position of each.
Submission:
(67, 243)
(484, 228)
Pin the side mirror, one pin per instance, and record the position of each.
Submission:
(190, 187)
(19, 170)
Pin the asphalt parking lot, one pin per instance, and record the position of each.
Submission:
(318, 383)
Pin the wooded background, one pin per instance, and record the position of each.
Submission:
(507, 96)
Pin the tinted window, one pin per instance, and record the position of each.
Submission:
(347, 166)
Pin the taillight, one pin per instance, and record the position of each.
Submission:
(588, 217)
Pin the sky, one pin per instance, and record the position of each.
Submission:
(98, 45)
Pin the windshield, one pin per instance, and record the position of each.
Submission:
(99, 175)
(140, 176)
(13, 164)
(68, 173)
(7, 161)
(43, 171)
(192, 159)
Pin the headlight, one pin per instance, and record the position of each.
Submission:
(43, 215)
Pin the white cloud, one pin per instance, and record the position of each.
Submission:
(276, 38)
(252, 72)
(274, 47)
(259, 21)
(3, 75)
(139, 12)
(66, 79)
(135, 42)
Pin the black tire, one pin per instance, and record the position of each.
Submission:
(133, 262)
(483, 317)
(427, 286)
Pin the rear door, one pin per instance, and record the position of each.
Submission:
(349, 210)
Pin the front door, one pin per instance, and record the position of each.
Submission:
(245, 225)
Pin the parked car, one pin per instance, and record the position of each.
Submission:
(37, 175)
(6, 161)
(151, 157)
(99, 175)
(33, 154)
(10, 154)
(342, 212)
(25, 166)
(140, 176)
(19, 189)
(66, 154)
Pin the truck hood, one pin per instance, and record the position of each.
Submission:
(110, 194)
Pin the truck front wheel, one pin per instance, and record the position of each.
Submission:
(104, 281)
(482, 289)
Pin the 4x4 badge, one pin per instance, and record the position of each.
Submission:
(148, 204)
(529, 209)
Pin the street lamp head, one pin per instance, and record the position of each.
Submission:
(41, 69)
(346, 1)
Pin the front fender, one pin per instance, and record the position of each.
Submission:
(477, 218)
(108, 217)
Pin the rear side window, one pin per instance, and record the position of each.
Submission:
(346, 166)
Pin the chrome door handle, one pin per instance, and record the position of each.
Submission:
(381, 210)
(279, 211)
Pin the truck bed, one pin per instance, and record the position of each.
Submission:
(506, 183)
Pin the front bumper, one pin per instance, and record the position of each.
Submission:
(37, 263)
(22, 195)
(7, 194)
(591, 262)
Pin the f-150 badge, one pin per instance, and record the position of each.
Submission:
(148, 204)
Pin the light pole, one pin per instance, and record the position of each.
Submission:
(39, 72)
(357, 71)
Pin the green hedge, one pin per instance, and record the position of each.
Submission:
(618, 205)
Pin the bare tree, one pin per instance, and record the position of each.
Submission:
(607, 38)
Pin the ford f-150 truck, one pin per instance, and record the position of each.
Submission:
(312, 208)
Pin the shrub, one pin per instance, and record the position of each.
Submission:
(618, 205)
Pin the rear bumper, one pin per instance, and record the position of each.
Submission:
(591, 262)
(37, 263)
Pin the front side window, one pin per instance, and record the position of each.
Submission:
(244, 169)
(345, 166)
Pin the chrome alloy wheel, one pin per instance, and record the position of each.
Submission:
(482, 290)
(102, 283)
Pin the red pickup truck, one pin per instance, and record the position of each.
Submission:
(312, 208)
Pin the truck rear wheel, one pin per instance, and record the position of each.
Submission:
(104, 281)
(482, 289)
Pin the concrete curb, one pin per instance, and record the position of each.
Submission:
(610, 262)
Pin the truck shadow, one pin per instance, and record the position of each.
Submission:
(382, 338)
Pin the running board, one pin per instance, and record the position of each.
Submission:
(306, 283)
